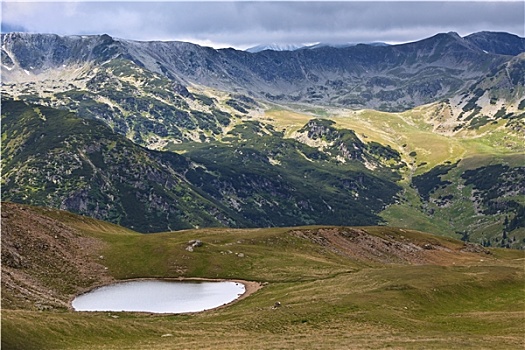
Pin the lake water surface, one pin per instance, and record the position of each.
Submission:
(159, 296)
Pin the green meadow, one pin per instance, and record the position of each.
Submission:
(333, 296)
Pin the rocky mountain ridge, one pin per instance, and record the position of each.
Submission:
(394, 78)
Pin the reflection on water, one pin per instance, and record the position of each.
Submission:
(159, 296)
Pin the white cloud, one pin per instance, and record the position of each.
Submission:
(242, 24)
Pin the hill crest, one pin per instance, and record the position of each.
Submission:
(48, 256)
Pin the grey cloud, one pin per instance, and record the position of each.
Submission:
(241, 24)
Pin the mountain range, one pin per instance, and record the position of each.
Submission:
(293, 47)
(170, 135)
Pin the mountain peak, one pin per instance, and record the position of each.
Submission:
(275, 47)
(497, 42)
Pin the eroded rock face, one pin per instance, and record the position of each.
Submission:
(44, 51)
(475, 248)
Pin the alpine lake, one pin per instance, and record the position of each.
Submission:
(160, 296)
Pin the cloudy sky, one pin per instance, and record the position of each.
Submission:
(242, 24)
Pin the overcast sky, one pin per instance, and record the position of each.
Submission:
(243, 24)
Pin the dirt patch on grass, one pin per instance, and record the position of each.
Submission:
(391, 247)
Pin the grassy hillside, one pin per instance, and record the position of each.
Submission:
(466, 183)
(284, 169)
(340, 287)
(254, 178)
(53, 158)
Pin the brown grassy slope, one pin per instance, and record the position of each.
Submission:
(44, 261)
(380, 246)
